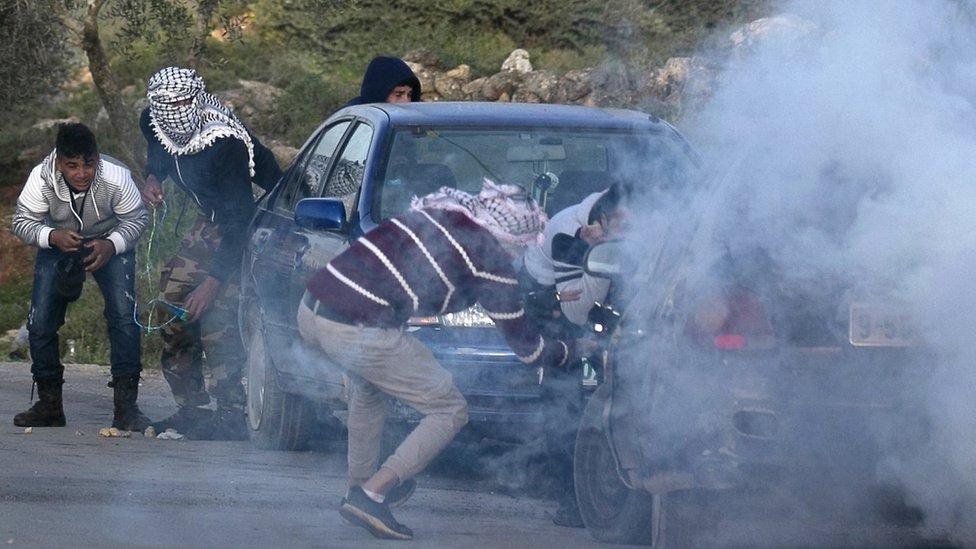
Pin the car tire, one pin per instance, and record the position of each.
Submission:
(611, 511)
(276, 420)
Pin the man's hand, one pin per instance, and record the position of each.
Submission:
(65, 240)
(592, 234)
(200, 298)
(101, 251)
(152, 191)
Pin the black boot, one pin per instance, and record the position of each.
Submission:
(48, 411)
(193, 421)
(127, 416)
(229, 423)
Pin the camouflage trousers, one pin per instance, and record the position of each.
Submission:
(210, 347)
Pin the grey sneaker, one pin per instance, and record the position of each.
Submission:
(375, 517)
(398, 495)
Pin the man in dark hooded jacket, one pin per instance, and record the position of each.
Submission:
(199, 143)
(387, 80)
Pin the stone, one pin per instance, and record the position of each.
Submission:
(680, 80)
(536, 87)
(460, 72)
(426, 76)
(113, 432)
(517, 61)
(449, 84)
(574, 86)
(474, 90)
(501, 83)
(789, 27)
(421, 56)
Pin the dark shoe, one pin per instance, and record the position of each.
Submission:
(192, 421)
(375, 517)
(48, 411)
(568, 514)
(127, 415)
(229, 424)
(399, 494)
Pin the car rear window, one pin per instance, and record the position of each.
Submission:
(421, 160)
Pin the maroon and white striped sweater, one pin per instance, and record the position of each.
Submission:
(431, 262)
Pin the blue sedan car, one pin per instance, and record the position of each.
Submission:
(364, 165)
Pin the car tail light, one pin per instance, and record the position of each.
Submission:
(734, 322)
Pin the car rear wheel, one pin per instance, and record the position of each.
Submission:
(276, 420)
(611, 511)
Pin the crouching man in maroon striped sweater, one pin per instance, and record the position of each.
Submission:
(450, 251)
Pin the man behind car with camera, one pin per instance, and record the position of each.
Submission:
(560, 295)
(450, 251)
(84, 213)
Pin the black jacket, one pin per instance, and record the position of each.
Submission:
(382, 75)
(218, 180)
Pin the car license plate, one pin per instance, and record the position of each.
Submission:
(881, 326)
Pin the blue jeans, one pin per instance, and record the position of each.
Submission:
(116, 280)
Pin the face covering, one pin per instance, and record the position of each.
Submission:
(186, 119)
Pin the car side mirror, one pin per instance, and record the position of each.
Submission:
(327, 214)
(606, 259)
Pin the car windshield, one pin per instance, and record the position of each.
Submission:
(578, 163)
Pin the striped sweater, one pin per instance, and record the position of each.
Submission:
(114, 208)
(431, 262)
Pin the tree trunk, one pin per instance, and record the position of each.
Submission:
(122, 119)
(202, 17)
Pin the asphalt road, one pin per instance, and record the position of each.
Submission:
(68, 487)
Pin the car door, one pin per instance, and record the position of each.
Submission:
(345, 179)
(277, 242)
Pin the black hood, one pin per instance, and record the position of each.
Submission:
(382, 75)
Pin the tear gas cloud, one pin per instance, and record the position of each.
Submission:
(842, 143)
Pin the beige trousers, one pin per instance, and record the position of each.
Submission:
(381, 363)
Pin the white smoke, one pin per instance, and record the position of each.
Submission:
(852, 135)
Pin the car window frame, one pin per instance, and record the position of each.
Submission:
(299, 172)
(340, 150)
(679, 145)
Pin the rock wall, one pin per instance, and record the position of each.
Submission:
(681, 85)
(681, 80)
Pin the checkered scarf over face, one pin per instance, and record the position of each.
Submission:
(508, 212)
(186, 119)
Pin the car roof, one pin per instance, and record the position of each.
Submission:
(526, 115)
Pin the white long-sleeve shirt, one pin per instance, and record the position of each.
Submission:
(567, 277)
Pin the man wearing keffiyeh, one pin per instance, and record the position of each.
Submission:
(451, 251)
(208, 153)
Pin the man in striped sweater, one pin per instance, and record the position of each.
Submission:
(83, 212)
(450, 251)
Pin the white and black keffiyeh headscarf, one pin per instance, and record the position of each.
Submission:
(189, 127)
(508, 212)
